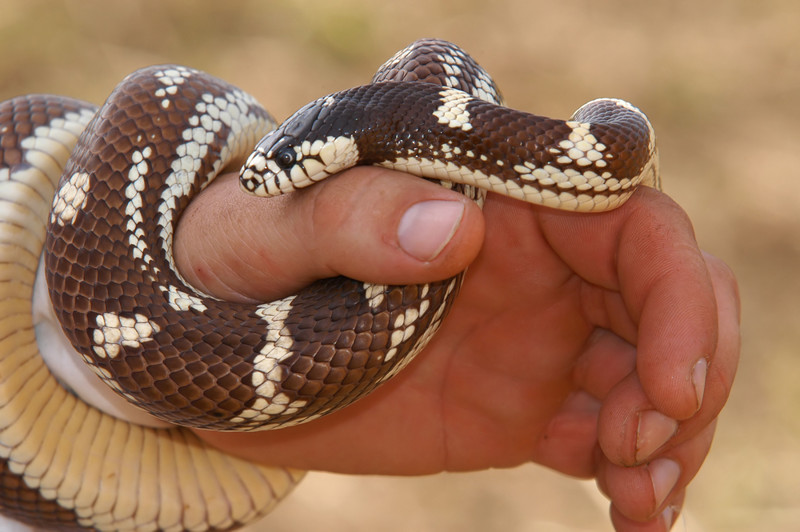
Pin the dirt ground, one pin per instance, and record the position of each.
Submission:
(719, 80)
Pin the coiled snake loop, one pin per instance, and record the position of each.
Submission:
(110, 185)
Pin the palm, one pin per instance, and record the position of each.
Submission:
(501, 366)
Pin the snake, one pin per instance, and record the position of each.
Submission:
(89, 201)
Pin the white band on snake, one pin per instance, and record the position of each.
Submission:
(96, 196)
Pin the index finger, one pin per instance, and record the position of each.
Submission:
(644, 255)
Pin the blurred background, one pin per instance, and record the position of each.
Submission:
(720, 81)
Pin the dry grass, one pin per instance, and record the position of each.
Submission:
(719, 79)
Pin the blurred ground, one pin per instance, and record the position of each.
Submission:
(718, 79)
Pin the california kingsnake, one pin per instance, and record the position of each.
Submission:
(191, 359)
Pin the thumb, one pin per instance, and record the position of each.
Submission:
(368, 223)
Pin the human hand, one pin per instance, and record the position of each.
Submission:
(579, 341)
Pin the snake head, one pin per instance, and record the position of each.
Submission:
(297, 155)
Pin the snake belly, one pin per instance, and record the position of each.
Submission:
(64, 464)
(195, 361)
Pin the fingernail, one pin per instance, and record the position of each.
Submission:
(699, 380)
(664, 474)
(428, 226)
(668, 516)
(654, 430)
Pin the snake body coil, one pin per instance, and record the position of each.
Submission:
(190, 359)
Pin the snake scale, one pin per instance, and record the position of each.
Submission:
(97, 193)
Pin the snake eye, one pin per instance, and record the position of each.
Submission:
(285, 158)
